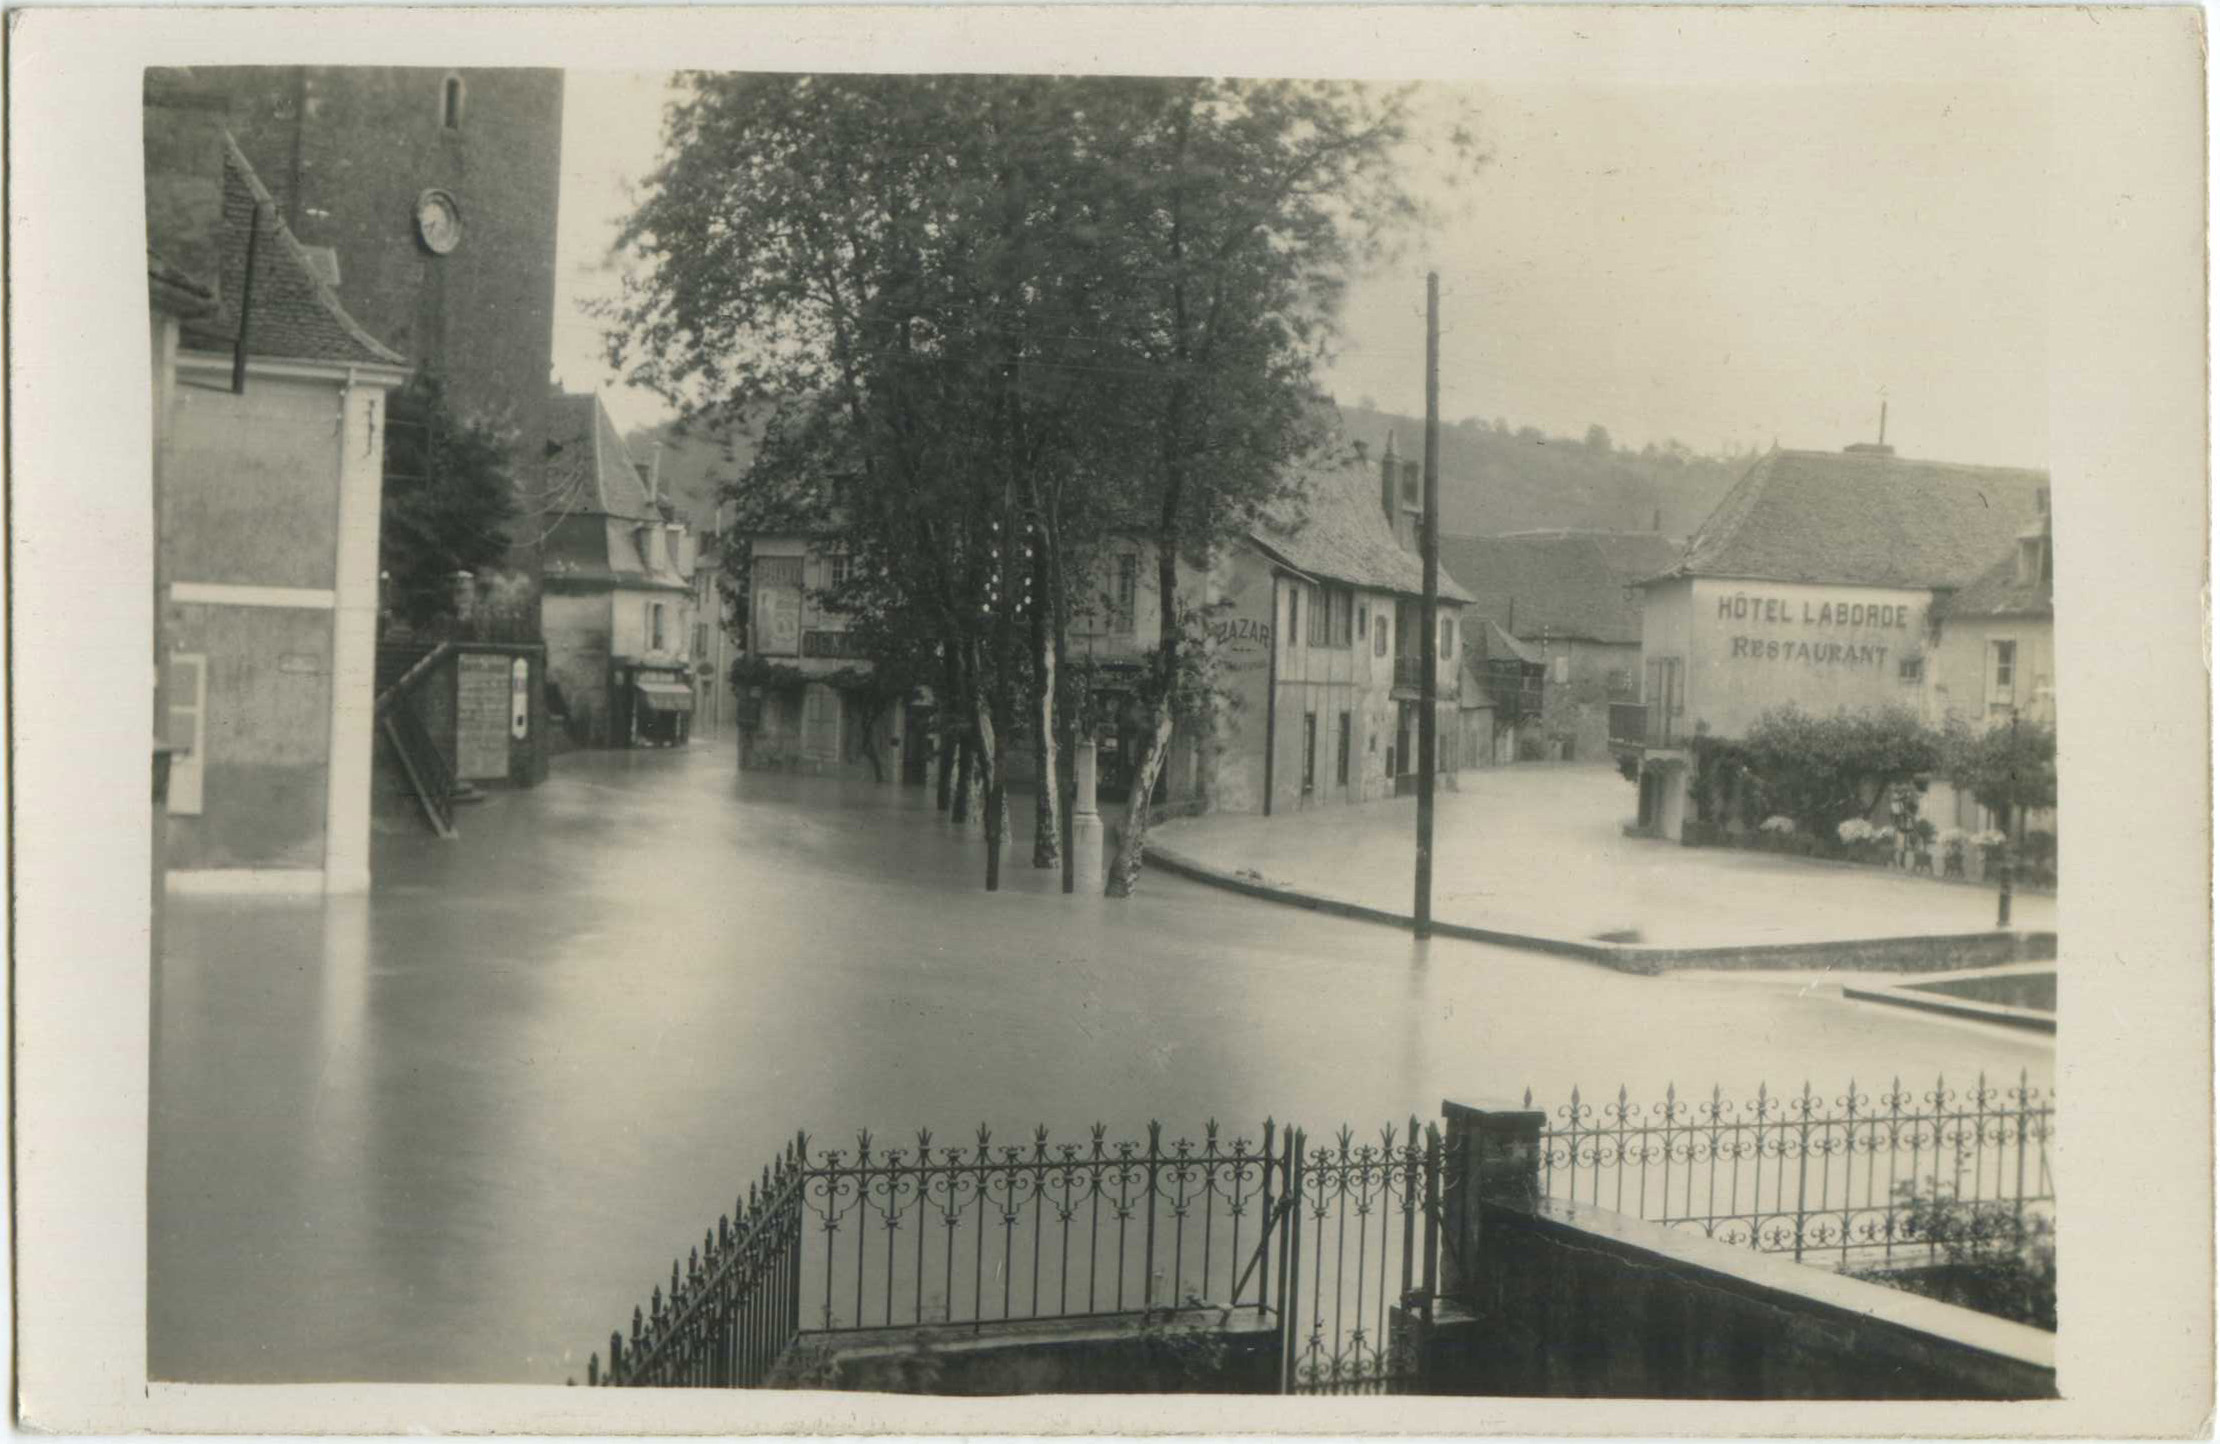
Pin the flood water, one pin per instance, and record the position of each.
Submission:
(456, 1130)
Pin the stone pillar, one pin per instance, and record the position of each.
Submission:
(1086, 823)
(1493, 1156)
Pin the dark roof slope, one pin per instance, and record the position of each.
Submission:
(1863, 519)
(588, 468)
(1560, 583)
(291, 313)
(2001, 591)
(1334, 529)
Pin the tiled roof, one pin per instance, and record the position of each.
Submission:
(1863, 519)
(1562, 583)
(1502, 646)
(2001, 592)
(588, 468)
(1335, 531)
(291, 313)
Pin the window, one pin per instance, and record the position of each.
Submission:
(1379, 635)
(1364, 623)
(1294, 613)
(1321, 620)
(1618, 683)
(701, 641)
(186, 730)
(451, 103)
(1911, 669)
(1341, 753)
(2003, 657)
(1341, 605)
(655, 626)
(1448, 637)
(1310, 752)
(836, 571)
(1128, 590)
(1560, 669)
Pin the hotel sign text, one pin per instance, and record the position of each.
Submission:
(1863, 616)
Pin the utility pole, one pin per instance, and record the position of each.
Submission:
(2004, 853)
(1429, 667)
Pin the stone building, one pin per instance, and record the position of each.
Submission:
(269, 399)
(1991, 662)
(430, 198)
(1569, 601)
(1819, 581)
(619, 603)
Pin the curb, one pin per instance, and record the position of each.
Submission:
(1893, 954)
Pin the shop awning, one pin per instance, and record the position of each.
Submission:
(665, 696)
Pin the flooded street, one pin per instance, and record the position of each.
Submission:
(455, 1131)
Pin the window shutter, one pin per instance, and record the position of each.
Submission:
(186, 728)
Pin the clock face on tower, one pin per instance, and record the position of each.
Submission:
(438, 222)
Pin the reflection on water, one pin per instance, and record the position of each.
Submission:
(456, 1131)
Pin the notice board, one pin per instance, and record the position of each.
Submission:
(481, 716)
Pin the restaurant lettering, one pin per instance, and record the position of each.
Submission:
(1741, 607)
(1817, 654)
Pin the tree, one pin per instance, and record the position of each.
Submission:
(448, 501)
(1015, 316)
(1822, 771)
(1243, 206)
(2010, 769)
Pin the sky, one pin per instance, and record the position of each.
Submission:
(1726, 266)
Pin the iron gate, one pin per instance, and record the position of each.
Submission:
(1336, 1245)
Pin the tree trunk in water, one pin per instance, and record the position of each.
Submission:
(959, 809)
(993, 754)
(1047, 831)
(1126, 871)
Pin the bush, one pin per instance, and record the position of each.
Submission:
(2039, 850)
(1989, 1259)
(1824, 771)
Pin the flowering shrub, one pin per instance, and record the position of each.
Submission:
(1778, 825)
(1988, 839)
(1856, 831)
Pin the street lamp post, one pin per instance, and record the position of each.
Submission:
(2011, 808)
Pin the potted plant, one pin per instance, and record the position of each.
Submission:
(1923, 846)
(1774, 833)
(1953, 843)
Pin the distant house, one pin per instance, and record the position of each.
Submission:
(1316, 648)
(1819, 581)
(799, 713)
(270, 438)
(619, 594)
(1568, 598)
(1991, 662)
(693, 471)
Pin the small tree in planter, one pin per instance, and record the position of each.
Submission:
(1988, 844)
(1923, 846)
(2010, 770)
(1774, 833)
(1952, 842)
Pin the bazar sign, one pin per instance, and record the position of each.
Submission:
(1742, 607)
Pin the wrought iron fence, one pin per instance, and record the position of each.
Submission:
(1856, 1179)
(734, 1307)
(1326, 1244)
(988, 1233)
(1360, 1251)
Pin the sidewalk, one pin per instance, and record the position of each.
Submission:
(1537, 849)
